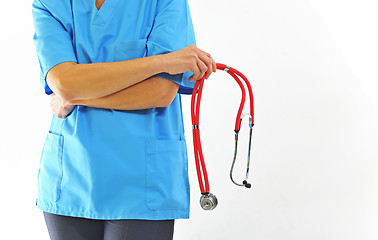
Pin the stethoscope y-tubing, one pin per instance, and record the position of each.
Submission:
(195, 108)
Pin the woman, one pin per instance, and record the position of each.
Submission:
(114, 163)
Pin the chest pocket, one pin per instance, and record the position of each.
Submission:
(130, 49)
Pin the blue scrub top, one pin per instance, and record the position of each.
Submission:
(104, 163)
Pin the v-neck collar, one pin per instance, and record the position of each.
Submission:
(102, 16)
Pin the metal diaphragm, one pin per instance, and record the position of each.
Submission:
(208, 201)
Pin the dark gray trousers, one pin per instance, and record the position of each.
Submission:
(74, 228)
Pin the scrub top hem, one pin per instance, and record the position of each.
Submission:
(155, 215)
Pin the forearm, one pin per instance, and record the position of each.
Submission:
(73, 81)
(151, 93)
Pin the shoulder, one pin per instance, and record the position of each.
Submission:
(54, 7)
(60, 10)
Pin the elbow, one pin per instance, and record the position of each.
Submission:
(165, 102)
(61, 89)
(60, 81)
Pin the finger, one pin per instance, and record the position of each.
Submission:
(63, 112)
(209, 69)
(203, 68)
(58, 115)
(70, 110)
(205, 53)
(196, 72)
(214, 65)
(53, 107)
(208, 61)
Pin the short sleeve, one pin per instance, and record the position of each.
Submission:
(172, 31)
(52, 39)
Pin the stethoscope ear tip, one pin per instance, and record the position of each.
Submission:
(246, 184)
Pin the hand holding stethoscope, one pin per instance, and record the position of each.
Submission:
(190, 58)
(208, 200)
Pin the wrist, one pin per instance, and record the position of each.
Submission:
(162, 62)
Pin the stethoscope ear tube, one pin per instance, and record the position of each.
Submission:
(208, 200)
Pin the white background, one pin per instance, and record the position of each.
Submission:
(313, 68)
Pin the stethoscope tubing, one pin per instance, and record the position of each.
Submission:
(195, 109)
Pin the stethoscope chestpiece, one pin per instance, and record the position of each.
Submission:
(208, 201)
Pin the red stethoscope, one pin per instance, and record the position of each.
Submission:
(208, 200)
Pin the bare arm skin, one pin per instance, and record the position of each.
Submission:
(71, 81)
(110, 85)
(151, 93)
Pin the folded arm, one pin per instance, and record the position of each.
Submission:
(127, 85)
(151, 93)
(72, 81)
